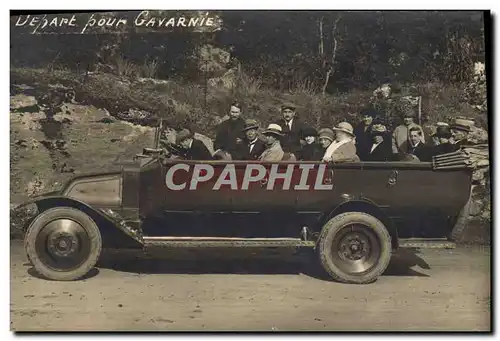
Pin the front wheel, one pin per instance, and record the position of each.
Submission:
(63, 244)
(354, 247)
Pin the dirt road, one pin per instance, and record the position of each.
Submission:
(428, 290)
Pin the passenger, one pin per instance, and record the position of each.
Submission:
(312, 151)
(380, 149)
(292, 129)
(230, 132)
(435, 139)
(400, 136)
(460, 132)
(273, 151)
(417, 147)
(252, 147)
(195, 149)
(325, 139)
(363, 134)
(443, 134)
(343, 148)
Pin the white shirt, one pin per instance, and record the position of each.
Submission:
(252, 144)
(332, 148)
(375, 145)
(289, 124)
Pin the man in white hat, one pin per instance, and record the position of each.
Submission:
(273, 152)
(343, 149)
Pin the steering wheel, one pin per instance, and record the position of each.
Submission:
(173, 148)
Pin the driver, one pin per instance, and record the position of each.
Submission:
(195, 149)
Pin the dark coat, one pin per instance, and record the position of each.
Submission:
(383, 152)
(311, 152)
(422, 151)
(364, 140)
(227, 134)
(244, 150)
(198, 151)
(444, 148)
(291, 141)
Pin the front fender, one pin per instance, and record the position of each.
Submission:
(108, 220)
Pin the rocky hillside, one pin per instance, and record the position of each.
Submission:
(50, 142)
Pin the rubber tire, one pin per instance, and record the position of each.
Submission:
(460, 223)
(336, 224)
(60, 213)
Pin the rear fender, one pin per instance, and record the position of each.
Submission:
(366, 206)
(114, 232)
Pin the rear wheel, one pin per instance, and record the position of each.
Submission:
(63, 244)
(354, 247)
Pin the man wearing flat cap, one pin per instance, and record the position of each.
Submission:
(195, 149)
(343, 148)
(363, 134)
(292, 128)
(401, 135)
(252, 146)
(273, 151)
(460, 130)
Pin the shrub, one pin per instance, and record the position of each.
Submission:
(150, 68)
(126, 68)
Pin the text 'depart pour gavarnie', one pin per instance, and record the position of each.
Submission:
(143, 19)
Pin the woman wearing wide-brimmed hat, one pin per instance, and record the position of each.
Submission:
(343, 148)
(273, 152)
(381, 148)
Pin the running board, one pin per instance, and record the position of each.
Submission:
(426, 243)
(209, 242)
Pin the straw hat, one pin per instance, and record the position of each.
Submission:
(444, 124)
(273, 129)
(345, 127)
(462, 124)
(327, 133)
